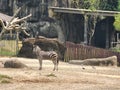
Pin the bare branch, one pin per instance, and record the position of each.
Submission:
(14, 16)
(21, 20)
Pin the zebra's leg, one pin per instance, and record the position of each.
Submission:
(57, 64)
(40, 63)
(54, 62)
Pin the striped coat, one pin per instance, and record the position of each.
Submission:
(52, 55)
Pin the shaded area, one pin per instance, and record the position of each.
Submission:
(104, 33)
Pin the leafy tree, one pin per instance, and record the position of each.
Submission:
(111, 5)
(88, 4)
(92, 19)
(117, 18)
(117, 22)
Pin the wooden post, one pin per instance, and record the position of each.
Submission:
(85, 29)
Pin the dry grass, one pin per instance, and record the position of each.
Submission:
(68, 77)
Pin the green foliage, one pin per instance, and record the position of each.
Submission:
(118, 5)
(111, 5)
(117, 22)
(115, 49)
(97, 4)
(88, 4)
(93, 4)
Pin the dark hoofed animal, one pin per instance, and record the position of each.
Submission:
(46, 55)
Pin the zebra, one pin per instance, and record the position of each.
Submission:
(46, 55)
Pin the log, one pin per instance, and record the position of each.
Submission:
(109, 61)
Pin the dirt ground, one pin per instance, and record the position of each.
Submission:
(68, 77)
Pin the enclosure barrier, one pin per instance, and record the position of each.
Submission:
(80, 52)
(9, 45)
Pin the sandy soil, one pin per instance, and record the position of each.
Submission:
(68, 77)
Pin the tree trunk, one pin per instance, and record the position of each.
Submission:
(91, 24)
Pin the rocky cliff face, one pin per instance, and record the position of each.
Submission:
(39, 23)
(69, 27)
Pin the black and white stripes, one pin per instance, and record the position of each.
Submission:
(53, 55)
(46, 55)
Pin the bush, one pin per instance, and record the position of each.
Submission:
(115, 49)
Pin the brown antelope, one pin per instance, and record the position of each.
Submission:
(46, 55)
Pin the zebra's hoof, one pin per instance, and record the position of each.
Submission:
(40, 68)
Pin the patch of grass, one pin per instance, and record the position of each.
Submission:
(51, 75)
(5, 79)
(4, 76)
(8, 47)
(6, 52)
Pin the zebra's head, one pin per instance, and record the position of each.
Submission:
(36, 49)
